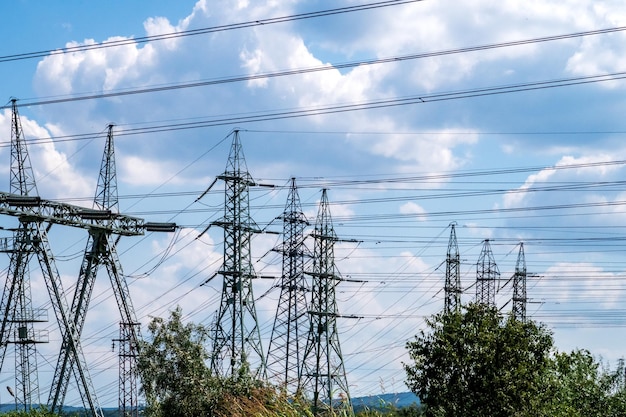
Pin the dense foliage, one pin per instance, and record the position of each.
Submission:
(471, 363)
(178, 382)
(478, 363)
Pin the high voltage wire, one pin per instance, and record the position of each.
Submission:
(300, 71)
(341, 108)
(448, 193)
(367, 105)
(203, 31)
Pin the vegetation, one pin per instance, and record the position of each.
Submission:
(477, 363)
(178, 382)
(471, 363)
(35, 412)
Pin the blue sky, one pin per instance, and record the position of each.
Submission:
(397, 176)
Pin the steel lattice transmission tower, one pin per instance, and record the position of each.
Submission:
(17, 311)
(36, 217)
(324, 374)
(452, 286)
(31, 239)
(290, 330)
(100, 251)
(519, 286)
(236, 335)
(487, 274)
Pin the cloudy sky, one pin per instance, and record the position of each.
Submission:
(504, 117)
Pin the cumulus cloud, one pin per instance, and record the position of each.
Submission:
(54, 172)
(137, 170)
(522, 194)
(413, 208)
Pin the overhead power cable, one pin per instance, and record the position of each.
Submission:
(300, 71)
(203, 31)
(366, 105)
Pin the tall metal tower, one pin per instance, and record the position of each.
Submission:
(290, 330)
(452, 286)
(17, 311)
(519, 286)
(100, 250)
(487, 274)
(36, 217)
(324, 374)
(236, 336)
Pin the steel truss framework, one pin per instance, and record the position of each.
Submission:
(487, 274)
(236, 334)
(519, 286)
(18, 326)
(324, 374)
(452, 286)
(290, 330)
(101, 251)
(36, 217)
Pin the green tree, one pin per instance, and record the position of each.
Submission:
(176, 379)
(579, 386)
(477, 363)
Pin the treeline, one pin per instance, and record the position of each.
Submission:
(475, 362)
(469, 363)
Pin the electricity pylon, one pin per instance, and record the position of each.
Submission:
(17, 312)
(487, 274)
(236, 336)
(100, 250)
(36, 217)
(324, 374)
(290, 329)
(452, 286)
(31, 238)
(519, 286)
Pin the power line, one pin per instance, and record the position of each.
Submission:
(300, 71)
(350, 107)
(203, 31)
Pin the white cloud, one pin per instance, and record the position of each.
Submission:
(136, 170)
(520, 195)
(54, 173)
(413, 208)
(426, 152)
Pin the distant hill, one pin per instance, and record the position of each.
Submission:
(399, 400)
(74, 411)
(381, 401)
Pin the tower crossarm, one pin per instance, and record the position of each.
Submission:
(55, 212)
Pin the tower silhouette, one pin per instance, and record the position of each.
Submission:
(487, 274)
(324, 374)
(452, 286)
(36, 216)
(519, 286)
(236, 335)
(290, 330)
(16, 305)
(100, 251)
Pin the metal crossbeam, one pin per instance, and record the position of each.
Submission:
(55, 212)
